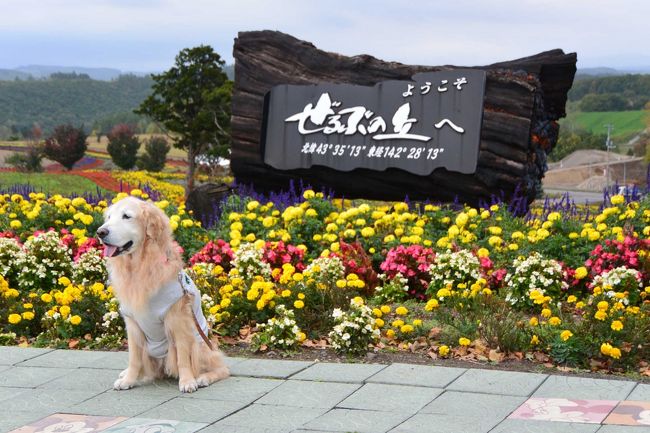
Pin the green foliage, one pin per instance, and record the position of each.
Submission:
(79, 101)
(192, 100)
(155, 154)
(625, 123)
(64, 184)
(570, 141)
(123, 146)
(635, 89)
(604, 102)
(66, 145)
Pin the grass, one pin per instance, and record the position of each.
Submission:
(626, 123)
(64, 184)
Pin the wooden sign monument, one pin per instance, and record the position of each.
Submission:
(383, 130)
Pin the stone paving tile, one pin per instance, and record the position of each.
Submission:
(332, 372)
(11, 392)
(244, 389)
(10, 355)
(268, 368)
(521, 426)
(429, 423)
(155, 425)
(466, 404)
(640, 393)
(581, 388)
(300, 393)
(111, 361)
(390, 398)
(190, 409)
(221, 428)
(119, 403)
(418, 375)
(261, 417)
(46, 400)
(497, 382)
(65, 359)
(30, 377)
(358, 421)
(167, 388)
(84, 379)
(623, 429)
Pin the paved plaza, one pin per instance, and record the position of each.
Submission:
(60, 391)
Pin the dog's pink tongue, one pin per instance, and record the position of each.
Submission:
(109, 250)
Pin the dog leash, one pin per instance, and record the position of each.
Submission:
(186, 294)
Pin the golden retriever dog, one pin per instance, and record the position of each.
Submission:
(146, 272)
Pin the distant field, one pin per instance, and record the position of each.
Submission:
(626, 123)
(64, 184)
(93, 145)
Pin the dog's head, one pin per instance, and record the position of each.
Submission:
(129, 224)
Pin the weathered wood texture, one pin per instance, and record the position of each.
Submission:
(523, 100)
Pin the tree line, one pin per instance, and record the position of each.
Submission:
(615, 93)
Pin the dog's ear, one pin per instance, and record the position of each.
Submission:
(157, 223)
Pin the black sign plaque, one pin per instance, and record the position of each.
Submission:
(432, 121)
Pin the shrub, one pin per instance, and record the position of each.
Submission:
(356, 261)
(279, 332)
(278, 254)
(66, 145)
(155, 154)
(411, 262)
(456, 269)
(354, 329)
(534, 280)
(29, 161)
(123, 146)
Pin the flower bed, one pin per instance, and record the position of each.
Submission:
(466, 283)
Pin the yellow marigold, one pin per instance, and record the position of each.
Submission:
(397, 323)
(566, 334)
(600, 315)
(534, 340)
(443, 350)
(65, 311)
(14, 318)
(379, 323)
(615, 353)
(483, 252)
(298, 304)
(28, 315)
(390, 333)
(546, 312)
(417, 322)
(554, 321)
(464, 341)
(401, 311)
(406, 329)
(571, 299)
(15, 224)
(581, 272)
(602, 305)
(605, 349)
(385, 309)
(367, 232)
(533, 321)
(46, 297)
(617, 325)
(377, 312)
(617, 199)
(64, 281)
(75, 320)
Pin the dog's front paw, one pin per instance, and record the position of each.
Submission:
(122, 383)
(123, 373)
(188, 385)
(202, 381)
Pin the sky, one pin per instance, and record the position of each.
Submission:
(145, 35)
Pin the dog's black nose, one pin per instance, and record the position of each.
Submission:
(102, 232)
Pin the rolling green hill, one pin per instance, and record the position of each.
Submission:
(77, 100)
(626, 123)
